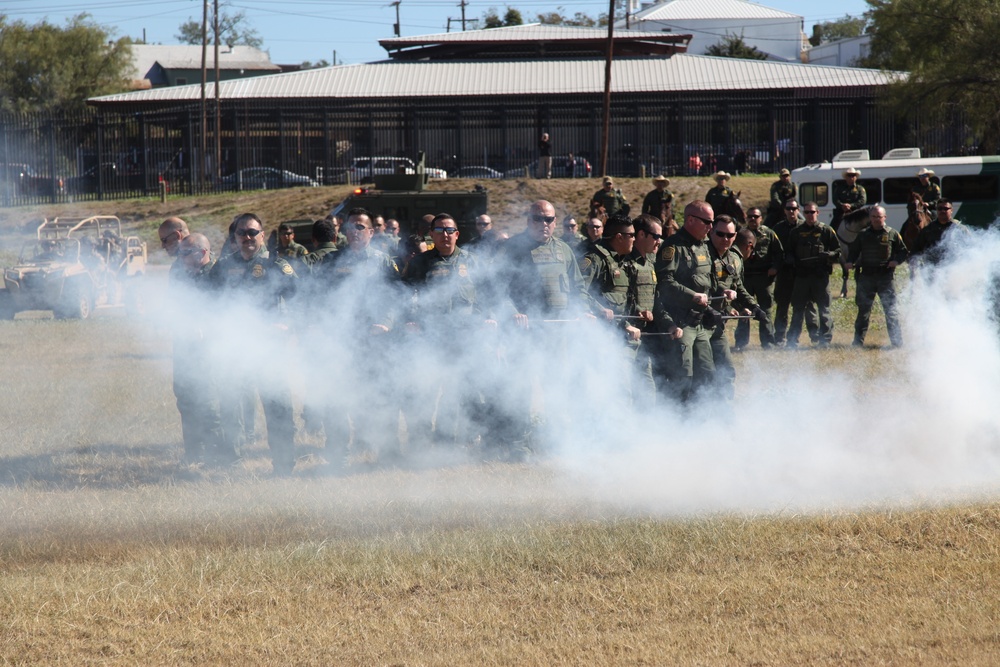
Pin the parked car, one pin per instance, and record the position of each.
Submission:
(560, 168)
(264, 178)
(366, 167)
(21, 180)
(477, 172)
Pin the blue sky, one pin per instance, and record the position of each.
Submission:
(298, 30)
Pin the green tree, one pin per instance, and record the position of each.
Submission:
(314, 65)
(842, 28)
(733, 46)
(51, 69)
(234, 29)
(950, 51)
(559, 17)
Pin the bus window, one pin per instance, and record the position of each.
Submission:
(872, 186)
(817, 192)
(980, 187)
(897, 190)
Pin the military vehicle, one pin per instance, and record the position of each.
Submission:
(74, 266)
(404, 196)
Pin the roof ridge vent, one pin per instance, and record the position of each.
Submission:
(902, 154)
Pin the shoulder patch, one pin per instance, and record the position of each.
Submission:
(585, 263)
(286, 269)
(667, 254)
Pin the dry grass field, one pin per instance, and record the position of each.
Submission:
(852, 537)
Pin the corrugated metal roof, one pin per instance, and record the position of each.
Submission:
(557, 77)
(185, 56)
(681, 10)
(519, 33)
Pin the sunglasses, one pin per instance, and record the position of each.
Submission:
(446, 230)
(726, 235)
(165, 241)
(570, 226)
(288, 233)
(187, 252)
(547, 219)
(753, 217)
(791, 208)
(630, 235)
(249, 233)
(807, 212)
(483, 224)
(704, 220)
(658, 237)
(359, 226)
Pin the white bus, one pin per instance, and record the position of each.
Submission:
(971, 183)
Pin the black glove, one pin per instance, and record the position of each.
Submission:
(759, 314)
(711, 318)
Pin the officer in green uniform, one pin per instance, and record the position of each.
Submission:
(538, 279)
(928, 190)
(653, 360)
(784, 283)
(324, 236)
(359, 287)
(606, 271)
(571, 235)
(659, 201)
(876, 251)
(610, 198)
(250, 276)
(813, 248)
(287, 247)
(448, 304)
(194, 380)
(782, 190)
(848, 196)
(730, 297)
(760, 270)
(928, 248)
(717, 196)
(684, 281)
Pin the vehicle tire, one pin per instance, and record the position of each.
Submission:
(78, 304)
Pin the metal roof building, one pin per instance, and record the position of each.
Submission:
(483, 98)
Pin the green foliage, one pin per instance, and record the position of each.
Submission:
(234, 29)
(492, 19)
(559, 17)
(733, 46)
(950, 50)
(52, 69)
(843, 28)
(315, 65)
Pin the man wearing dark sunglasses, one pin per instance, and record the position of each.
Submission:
(760, 269)
(252, 279)
(784, 283)
(172, 231)
(194, 386)
(358, 288)
(813, 248)
(731, 298)
(653, 360)
(684, 281)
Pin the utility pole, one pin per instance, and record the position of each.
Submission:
(218, 104)
(395, 26)
(463, 4)
(607, 90)
(204, 75)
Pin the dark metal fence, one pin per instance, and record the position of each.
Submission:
(135, 151)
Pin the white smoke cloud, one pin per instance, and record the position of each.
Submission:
(799, 437)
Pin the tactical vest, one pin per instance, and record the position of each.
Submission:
(449, 285)
(643, 284)
(615, 281)
(551, 266)
(876, 248)
(807, 242)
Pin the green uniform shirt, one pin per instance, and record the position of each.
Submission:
(541, 278)
(607, 279)
(813, 248)
(930, 194)
(780, 193)
(853, 195)
(767, 252)
(657, 201)
(683, 269)
(613, 201)
(273, 281)
(717, 196)
(373, 277)
(875, 249)
(728, 271)
(447, 290)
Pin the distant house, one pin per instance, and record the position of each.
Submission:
(775, 33)
(159, 66)
(841, 53)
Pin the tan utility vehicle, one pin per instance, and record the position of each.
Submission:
(74, 266)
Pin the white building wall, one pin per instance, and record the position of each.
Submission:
(842, 53)
(782, 39)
